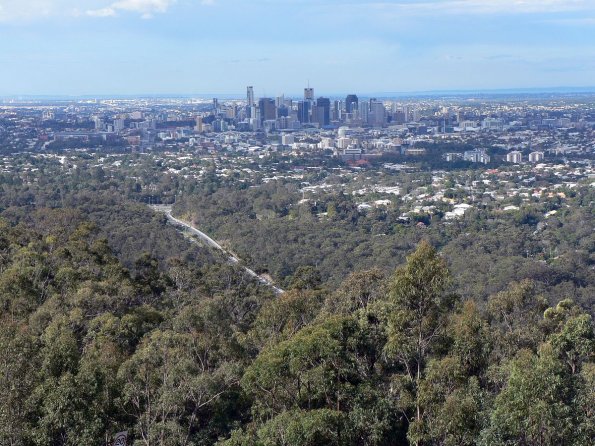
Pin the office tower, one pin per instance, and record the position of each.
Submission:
(279, 101)
(282, 111)
(198, 126)
(323, 108)
(255, 120)
(119, 125)
(282, 122)
(514, 157)
(314, 115)
(377, 116)
(304, 111)
(406, 113)
(98, 123)
(250, 105)
(250, 96)
(308, 94)
(351, 103)
(364, 111)
(415, 115)
(267, 108)
(216, 105)
(337, 113)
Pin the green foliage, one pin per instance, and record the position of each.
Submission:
(535, 406)
(179, 348)
(419, 305)
(516, 318)
(357, 291)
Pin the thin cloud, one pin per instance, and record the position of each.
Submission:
(146, 8)
(483, 6)
(27, 10)
(103, 12)
(585, 21)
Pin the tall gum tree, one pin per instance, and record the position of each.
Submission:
(420, 304)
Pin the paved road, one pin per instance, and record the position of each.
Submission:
(212, 243)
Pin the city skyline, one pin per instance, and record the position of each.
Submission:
(186, 47)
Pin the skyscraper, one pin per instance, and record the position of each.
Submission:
(308, 94)
(250, 102)
(337, 113)
(323, 107)
(250, 96)
(364, 111)
(351, 102)
(377, 116)
(304, 111)
(267, 108)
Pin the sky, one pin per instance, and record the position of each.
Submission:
(187, 47)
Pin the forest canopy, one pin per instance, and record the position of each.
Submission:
(422, 331)
(175, 357)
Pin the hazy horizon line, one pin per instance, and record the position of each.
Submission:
(380, 94)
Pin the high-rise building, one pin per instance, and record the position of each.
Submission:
(337, 113)
(250, 96)
(304, 111)
(280, 101)
(351, 102)
(415, 115)
(255, 120)
(308, 94)
(250, 105)
(406, 113)
(363, 111)
(475, 156)
(268, 111)
(514, 157)
(323, 115)
(98, 123)
(377, 116)
(536, 157)
(119, 125)
(282, 111)
(198, 126)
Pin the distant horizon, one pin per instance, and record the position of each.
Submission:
(439, 93)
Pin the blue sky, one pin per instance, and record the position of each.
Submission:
(87, 47)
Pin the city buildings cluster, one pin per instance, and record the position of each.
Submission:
(482, 130)
(281, 113)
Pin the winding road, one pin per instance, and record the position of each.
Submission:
(213, 244)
